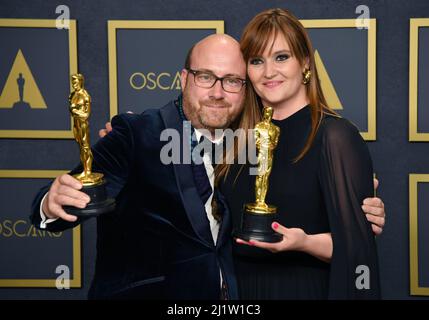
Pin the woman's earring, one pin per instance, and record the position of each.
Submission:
(306, 76)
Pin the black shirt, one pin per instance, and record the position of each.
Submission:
(320, 193)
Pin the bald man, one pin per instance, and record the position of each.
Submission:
(163, 241)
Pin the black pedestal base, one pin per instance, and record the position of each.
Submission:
(99, 203)
(258, 227)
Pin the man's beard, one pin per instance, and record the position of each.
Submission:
(208, 119)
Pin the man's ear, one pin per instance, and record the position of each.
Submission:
(183, 78)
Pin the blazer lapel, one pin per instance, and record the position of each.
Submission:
(225, 227)
(191, 200)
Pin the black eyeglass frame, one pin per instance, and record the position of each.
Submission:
(196, 72)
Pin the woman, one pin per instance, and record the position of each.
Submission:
(322, 171)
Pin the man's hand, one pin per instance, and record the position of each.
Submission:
(64, 192)
(104, 132)
(374, 212)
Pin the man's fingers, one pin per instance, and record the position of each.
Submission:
(59, 212)
(63, 200)
(68, 217)
(65, 216)
(65, 192)
(68, 180)
(102, 133)
(373, 202)
(379, 221)
(377, 230)
(73, 193)
(375, 183)
(376, 211)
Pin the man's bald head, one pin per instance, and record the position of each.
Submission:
(218, 40)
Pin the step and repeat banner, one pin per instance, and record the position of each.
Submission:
(36, 61)
(419, 131)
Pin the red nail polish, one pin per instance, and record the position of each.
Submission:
(275, 225)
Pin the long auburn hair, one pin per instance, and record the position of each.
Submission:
(262, 29)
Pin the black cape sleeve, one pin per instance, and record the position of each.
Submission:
(345, 174)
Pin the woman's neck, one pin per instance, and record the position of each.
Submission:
(287, 108)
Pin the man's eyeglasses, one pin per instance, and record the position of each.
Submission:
(207, 80)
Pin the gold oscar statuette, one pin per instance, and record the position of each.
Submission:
(94, 183)
(258, 216)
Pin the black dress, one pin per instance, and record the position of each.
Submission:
(322, 192)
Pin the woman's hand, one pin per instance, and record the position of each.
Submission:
(295, 239)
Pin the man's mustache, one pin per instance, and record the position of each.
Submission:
(215, 103)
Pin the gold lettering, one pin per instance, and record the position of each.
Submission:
(151, 79)
(134, 75)
(158, 80)
(21, 229)
(32, 232)
(176, 81)
(41, 233)
(20, 235)
(7, 224)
